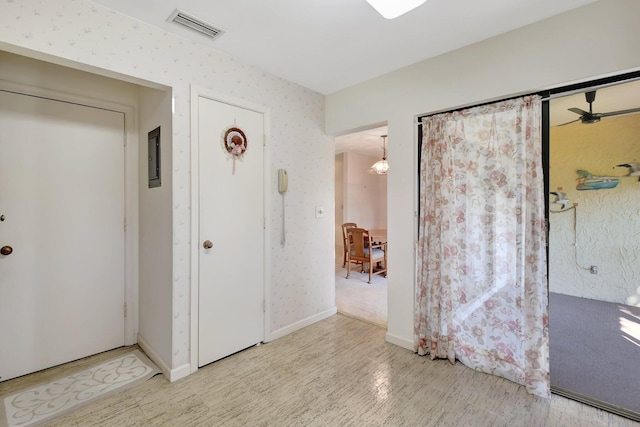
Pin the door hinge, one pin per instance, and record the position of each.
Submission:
(125, 309)
(124, 222)
(264, 140)
(264, 306)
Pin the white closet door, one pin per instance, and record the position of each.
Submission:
(231, 217)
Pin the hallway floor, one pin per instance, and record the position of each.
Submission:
(357, 298)
(337, 372)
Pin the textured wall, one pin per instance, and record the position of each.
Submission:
(302, 283)
(607, 229)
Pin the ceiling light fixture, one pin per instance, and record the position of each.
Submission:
(381, 166)
(393, 8)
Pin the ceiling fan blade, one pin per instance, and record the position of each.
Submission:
(579, 111)
(572, 121)
(617, 113)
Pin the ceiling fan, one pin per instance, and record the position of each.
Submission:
(588, 117)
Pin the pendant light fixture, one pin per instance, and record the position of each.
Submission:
(381, 166)
(393, 8)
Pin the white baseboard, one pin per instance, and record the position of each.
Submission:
(151, 354)
(300, 324)
(400, 342)
(180, 372)
(171, 374)
(185, 370)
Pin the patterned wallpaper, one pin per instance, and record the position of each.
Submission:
(608, 224)
(302, 281)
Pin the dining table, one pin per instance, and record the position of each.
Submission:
(378, 235)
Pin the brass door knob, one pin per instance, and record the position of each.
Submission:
(207, 244)
(6, 250)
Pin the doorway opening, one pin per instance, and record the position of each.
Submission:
(360, 198)
(593, 252)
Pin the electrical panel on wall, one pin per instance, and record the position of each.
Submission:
(154, 157)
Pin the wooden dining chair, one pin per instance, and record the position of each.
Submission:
(363, 250)
(345, 227)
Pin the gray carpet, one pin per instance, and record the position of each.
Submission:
(595, 352)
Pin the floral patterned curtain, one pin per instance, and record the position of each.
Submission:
(481, 295)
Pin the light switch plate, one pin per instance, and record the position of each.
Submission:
(319, 211)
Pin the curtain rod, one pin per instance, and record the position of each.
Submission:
(419, 118)
(555, 93)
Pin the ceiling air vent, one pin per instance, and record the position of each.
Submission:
(187, 20)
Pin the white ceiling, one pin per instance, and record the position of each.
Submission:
(327, 45)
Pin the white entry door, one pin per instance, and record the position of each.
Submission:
(231, 217)
(61, 232)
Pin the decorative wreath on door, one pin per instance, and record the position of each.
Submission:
(235, 143)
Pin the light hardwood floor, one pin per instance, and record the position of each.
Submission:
(337, 372)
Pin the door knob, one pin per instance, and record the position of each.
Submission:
(6, 250)
(207, 244)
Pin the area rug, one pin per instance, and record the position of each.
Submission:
(44, 402)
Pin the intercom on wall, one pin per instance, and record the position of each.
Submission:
(283, 184)
(283, 180)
